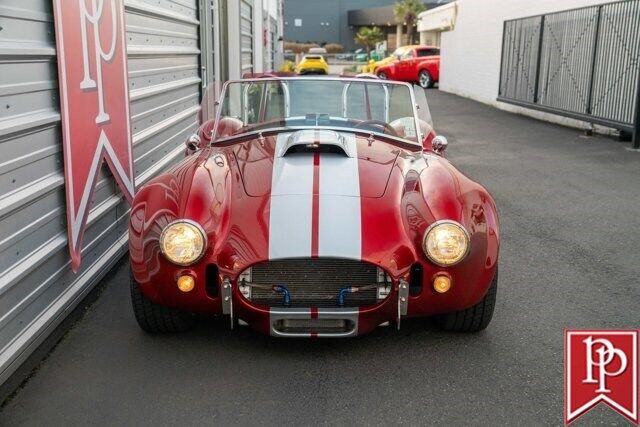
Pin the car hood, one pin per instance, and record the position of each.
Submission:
(315, 163)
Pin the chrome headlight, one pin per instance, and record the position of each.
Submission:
(446, 243)
(183, 242)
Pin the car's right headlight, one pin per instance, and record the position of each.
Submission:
(446, 243)
(183, 242)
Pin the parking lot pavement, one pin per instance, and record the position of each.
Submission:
(570, 258)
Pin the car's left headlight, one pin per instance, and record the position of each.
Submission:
(183, 242)
(446, 243)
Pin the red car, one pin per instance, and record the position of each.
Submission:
(419, 64)
(314, 207)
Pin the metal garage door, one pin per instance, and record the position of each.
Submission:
(273, 40)
(246, 35)
(37, 286)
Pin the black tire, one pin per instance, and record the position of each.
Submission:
(382, 75)
(424, 79)
(156, 318)
(473, 319)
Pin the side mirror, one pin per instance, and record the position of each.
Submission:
(192, 144)
(439, 144)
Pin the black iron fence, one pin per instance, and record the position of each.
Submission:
(580, 63)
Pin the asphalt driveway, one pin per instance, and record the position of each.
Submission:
(570, 209)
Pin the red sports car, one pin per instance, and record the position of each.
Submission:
(314, 207)
(420, 64)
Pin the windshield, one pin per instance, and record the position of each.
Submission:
(366, 105)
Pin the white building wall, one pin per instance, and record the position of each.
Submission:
(470, 53)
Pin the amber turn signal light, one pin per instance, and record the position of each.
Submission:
(441, 284)
(186, 283)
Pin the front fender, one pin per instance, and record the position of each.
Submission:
(442, 192)
(197, 189)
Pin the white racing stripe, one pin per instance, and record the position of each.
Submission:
(339, 223)
(291, 202)
(339, 218)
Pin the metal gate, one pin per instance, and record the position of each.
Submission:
(580, 63)
(246, 35)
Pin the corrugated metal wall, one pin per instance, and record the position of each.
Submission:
(37, 286)
(273, 41)
(246, 35)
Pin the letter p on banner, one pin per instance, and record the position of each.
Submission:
(601, 366)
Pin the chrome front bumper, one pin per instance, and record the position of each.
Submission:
(325, 323)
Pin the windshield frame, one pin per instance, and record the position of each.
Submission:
(346, 80)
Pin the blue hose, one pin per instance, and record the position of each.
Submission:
(286, 296)
(343, 292)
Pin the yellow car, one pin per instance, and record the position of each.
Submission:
(312, 64)
(372, 66)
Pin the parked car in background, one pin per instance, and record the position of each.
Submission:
(373, 65)
(376, 56)
(419, 64)
(344, 56)
(360, 55)
(312, 64)
(317, 50)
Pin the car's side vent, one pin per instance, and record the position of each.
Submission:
(212, 281)
(415, 280)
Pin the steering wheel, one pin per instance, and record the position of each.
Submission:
(384, 125)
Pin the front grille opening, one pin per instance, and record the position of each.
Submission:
(415, 280)
(212, 281)
(301, 326)
(315, 282)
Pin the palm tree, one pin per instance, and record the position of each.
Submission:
(368, 37)
(407, 11)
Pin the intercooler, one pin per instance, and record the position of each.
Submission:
(314, 282)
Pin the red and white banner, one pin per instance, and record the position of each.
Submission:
(92, 65)
(601, 366)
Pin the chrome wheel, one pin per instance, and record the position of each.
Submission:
(424, 78)
(383, 76)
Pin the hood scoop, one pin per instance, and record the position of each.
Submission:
(316, 140)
